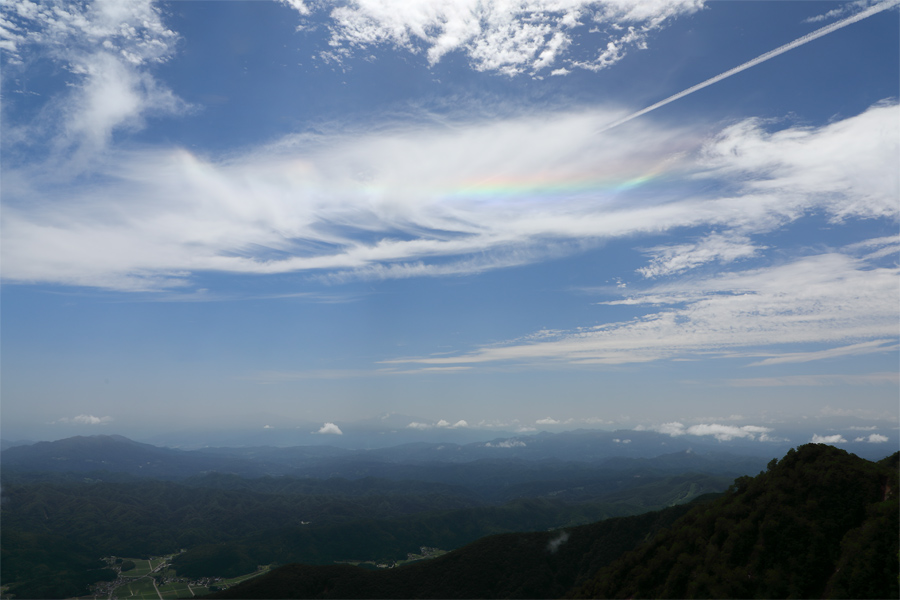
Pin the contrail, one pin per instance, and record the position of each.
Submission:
(761, 58)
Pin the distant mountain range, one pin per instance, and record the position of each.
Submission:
(118, 454)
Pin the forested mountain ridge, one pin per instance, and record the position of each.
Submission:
(542, 564)
(57, 524)
(819, 523)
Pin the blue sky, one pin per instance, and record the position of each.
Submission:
(249, 214)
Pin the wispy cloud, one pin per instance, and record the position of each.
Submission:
(669, 260)
(723, 433)
(818, 380)
(440, 201)
(873, 438)
(108, 47)
(851, 350)
(817, 299)
(841, 10)
(441, 424)
(86, 420)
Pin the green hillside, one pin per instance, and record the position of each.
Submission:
(819, 523)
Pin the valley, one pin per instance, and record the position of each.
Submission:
(191, 531)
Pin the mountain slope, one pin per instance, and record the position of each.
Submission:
(526, 565)
(820, 522)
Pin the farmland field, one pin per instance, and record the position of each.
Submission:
(141, 568)
(178, 590)
(139, 590)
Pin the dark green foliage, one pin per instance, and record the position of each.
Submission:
(48, 566)
(821, 522)
(393, 538)
(523, 565)
(140, 518)
(128, 565)
(116, 514)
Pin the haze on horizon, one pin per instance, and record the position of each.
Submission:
(249, 215)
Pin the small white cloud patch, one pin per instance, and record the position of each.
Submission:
(670, 260)
(330, 428)
(506, 444)
(723, 433)
(558, 541)
(547, 421)
(86, 420)
(874, 438)
(828, 439)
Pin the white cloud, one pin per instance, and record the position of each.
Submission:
(437, 201)
(721, 432)
(851, 350)
(596, 421)
(107, 46)
(863, 428)
(840, 166)
(841, 10)
(674, 428)
(498, 35)
(330, 429)
(817, 299)
(892, 378)
(669, 260)
(874, 438)
(828, 439)
(86, 420)
(506, 444)
(298, 5)
(442, 423)
(554, 544)
(620, 441)
(728, 432)
(547, 421)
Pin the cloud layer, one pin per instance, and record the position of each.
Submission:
(442, 201)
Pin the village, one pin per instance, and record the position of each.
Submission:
(153, 578)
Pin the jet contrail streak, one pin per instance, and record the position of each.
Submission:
(761, 58)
